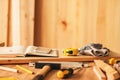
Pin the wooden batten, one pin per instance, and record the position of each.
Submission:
(3, 20)
(99, 73)
(111, 73)
(27, 22)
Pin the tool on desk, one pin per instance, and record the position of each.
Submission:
(113, 61)
(65, 73)
(24, 69)
(70, 52)
(8, 69)
(47, 66)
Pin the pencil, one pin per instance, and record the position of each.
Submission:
(8, 69)
(24, 69)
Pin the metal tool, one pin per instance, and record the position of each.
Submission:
(65, 73)
(70, 52)
(47, 66)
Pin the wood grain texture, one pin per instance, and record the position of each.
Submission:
(61, 24)
(27, 22)
(3, 20)
(80, 22)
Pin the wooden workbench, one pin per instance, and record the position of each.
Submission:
(12, 60)
(84, 74)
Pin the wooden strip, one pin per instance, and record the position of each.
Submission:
(15, 22)
(27, 22)
(112, 73)
(3, 20)
(47, 23)
(99, 73)
(66, 27)
(13, 60)
(2, 44)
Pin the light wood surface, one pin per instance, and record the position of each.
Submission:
(4, 20)
(84, 74)
(13, 59)
(61, 24)
(19, 57)
(75, 23)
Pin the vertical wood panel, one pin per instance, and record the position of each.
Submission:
(113, 19)
(117, 27)
(63, 23)
(48, 25)
(27, 21)
(3, 20)
(101, 22)
(66, 27)
(110, 23)
(15, 22)
(38, 20)
(80, 22)
(90, 21)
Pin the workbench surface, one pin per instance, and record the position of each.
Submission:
(84, 74)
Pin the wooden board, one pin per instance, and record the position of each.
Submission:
(13, 59)
(19, 57)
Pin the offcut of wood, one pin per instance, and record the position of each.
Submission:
(111, 73)
(99, 73)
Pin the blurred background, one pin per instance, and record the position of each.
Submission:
(60, 23)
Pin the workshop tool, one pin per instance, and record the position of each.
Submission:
(9, 69)
(24, 69)
(47, 66)
(70, 52)
(113, 61)
(66, 73)
(94, 49)
(110, 72)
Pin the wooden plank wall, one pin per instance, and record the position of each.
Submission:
(60, 23)
(17, 22)
(3, 20)
(27, 8)
(75, 23)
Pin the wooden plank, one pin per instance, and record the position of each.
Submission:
(99, 73)
(66, 26)
(47, 28)
(75, 23)
(3, 20)
(2, 44)
(13, 59)
(101, 22)
(15, 23)
(38, 32)
(27, 22)
(112, 23)
(90, 21)
(111, 73)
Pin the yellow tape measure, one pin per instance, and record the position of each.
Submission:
(70, 52)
